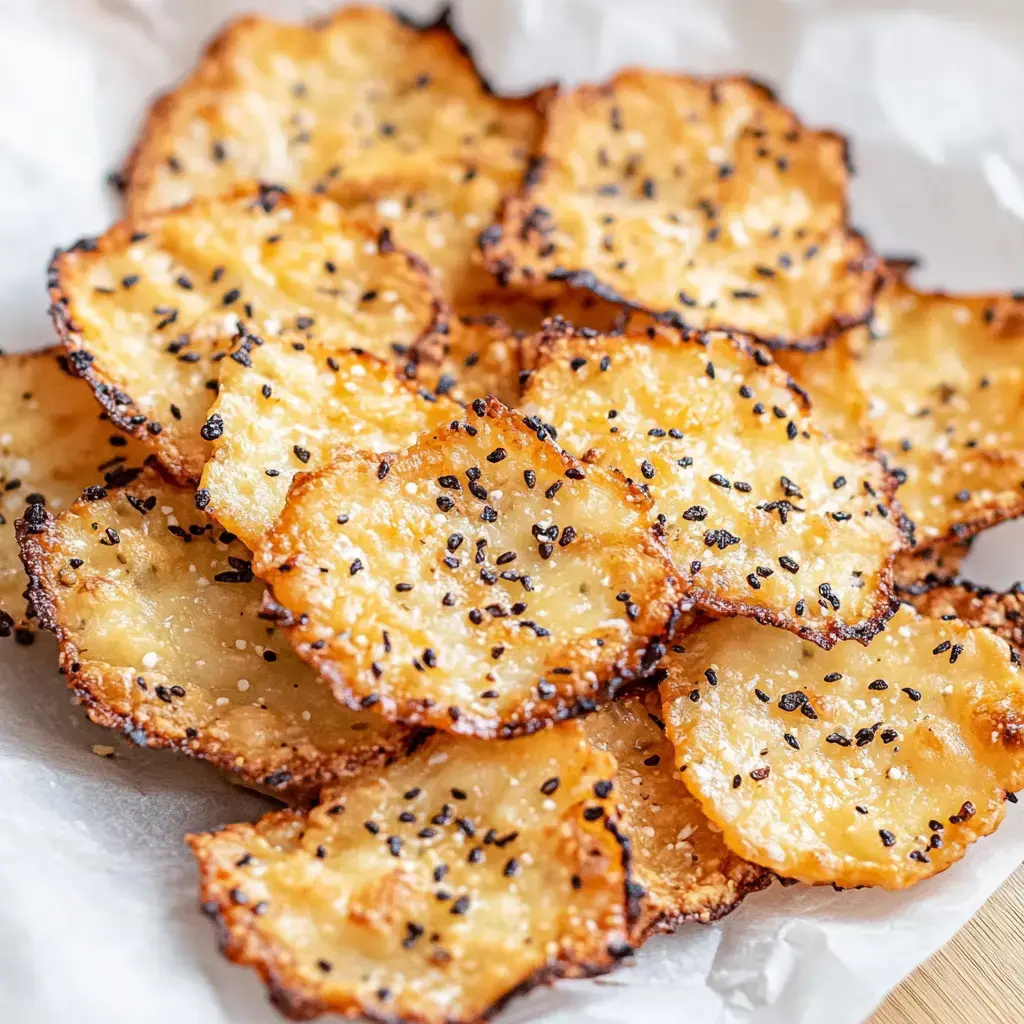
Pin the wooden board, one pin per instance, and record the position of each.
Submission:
(976, 978)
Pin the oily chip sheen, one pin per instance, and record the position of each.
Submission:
(479, 581)
(284, 411)
(155, 611)
(147, 311)
(53, 444)
(945, 377)
(352, 97)
(872, 765)
(464, 874)
(703, 201)
(763, 514)
(679, 860)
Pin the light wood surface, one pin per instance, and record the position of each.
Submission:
(978, 978)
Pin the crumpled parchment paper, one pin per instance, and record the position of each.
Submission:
(97, 892)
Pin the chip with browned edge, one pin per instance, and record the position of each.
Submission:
(148, 310)
(945, 376)
(923, 568)
(1000, 611)
(479, 581)
(283, 411)
(156, 614)
(354, 96)
(464, 874)
(685, 870)
(703, 201)
(875, 765)
(763, 514)
(53, 444)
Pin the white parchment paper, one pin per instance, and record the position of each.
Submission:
(97, 892)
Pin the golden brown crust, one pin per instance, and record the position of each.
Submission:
(481, 581)
(679, 860)
(856, 766)
(237, 113)
(693, 228)
(146, 311)
(763, 515)
(1000, 611)
(159, 638)
(53, 444)
(395, 922)
(918, 571)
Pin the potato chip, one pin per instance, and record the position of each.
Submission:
(922, 569)
(945, 375)
(763, 515)
(355, 96)
(1000, 611)
(156, 613)
(830, 378)
(705, 202)
(480, 581)
(53, 444)
(147, 311)
(483, 356)
(872, 765)
(464, 874)
(678, 857)
(283, 411)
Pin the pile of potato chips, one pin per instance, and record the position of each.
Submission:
(551, 500)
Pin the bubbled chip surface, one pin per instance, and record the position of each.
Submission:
(875, 765)
(354, 96)
(685, 870)
(462, 875)
(764, 515)
(284, 411)
(155, 611)
(945, 378)
(703, 200)
(480, 581)
(53, 444)
(148, 311)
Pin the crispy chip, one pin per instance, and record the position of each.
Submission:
(483, 356)
(480, 581)
(945, 375)
(920, 570)
(283, 411)
(679, 859)
(1000, 611)
(872, 765)
(356, 96)
(53, 444)
(146, 311)
(159, 636)
(703, 201)
(763, 514)
(465, 874)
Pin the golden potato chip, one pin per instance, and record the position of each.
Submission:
(1000, 611)
(703, 201)
(763, 515)
(53, 444)
(354, 96)
(830, 378)
(872, 765)
(922, 569)
(464, 874)
(155, 610)
(483, 356)
(283, 411)
(148, 310)
(945, 375)
(685, 870)
(480, 581)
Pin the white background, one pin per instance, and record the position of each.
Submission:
(97, 892)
